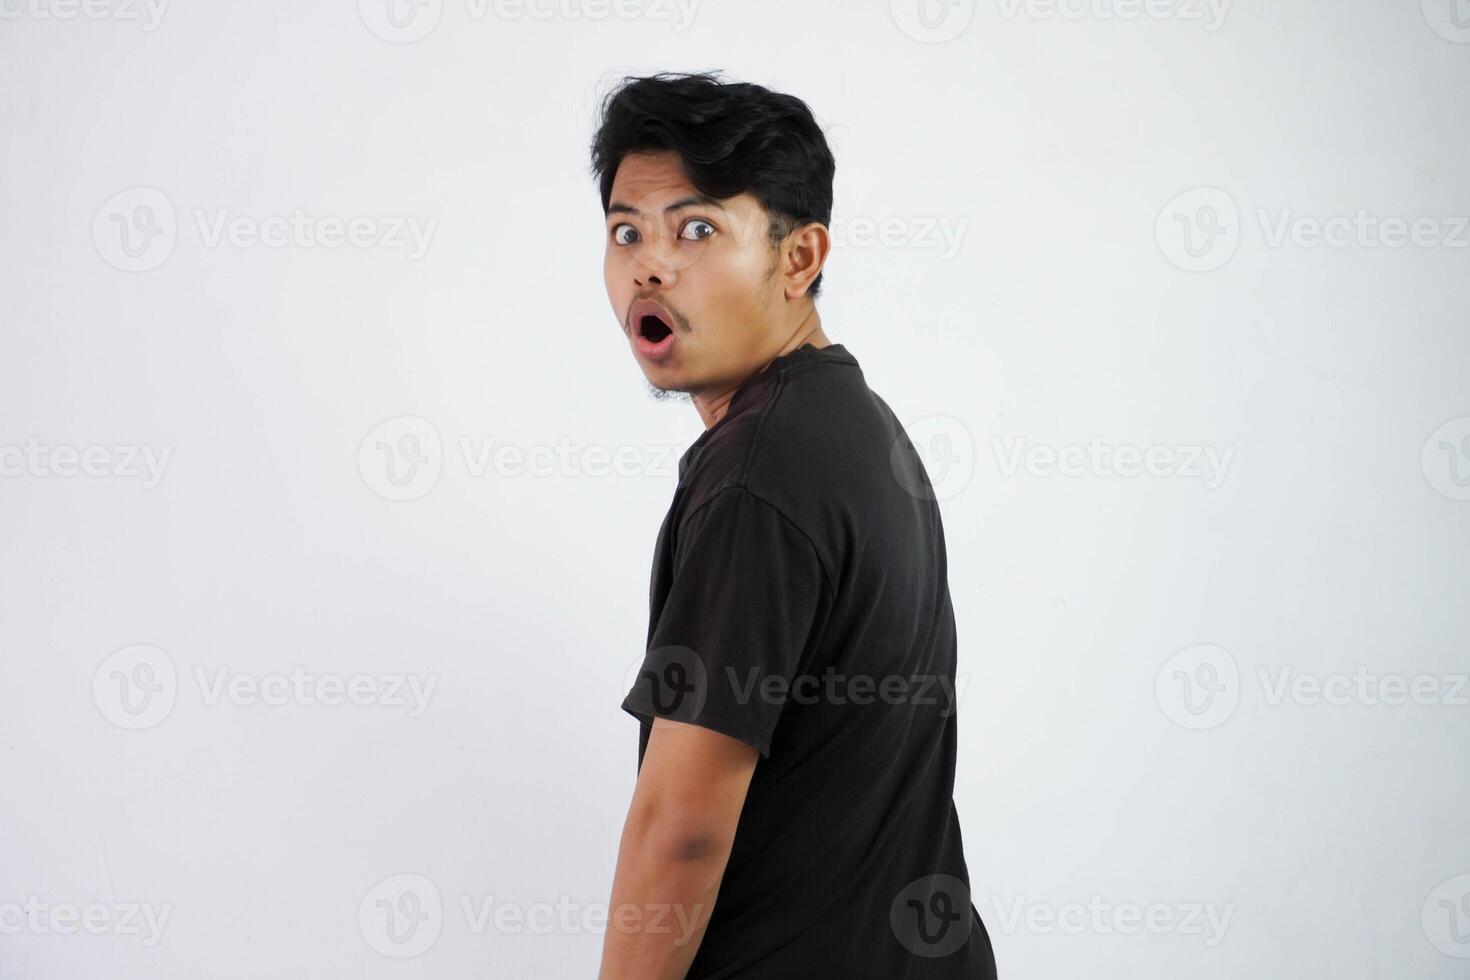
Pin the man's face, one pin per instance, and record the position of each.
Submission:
(705, 267)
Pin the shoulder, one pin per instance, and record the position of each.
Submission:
(778, 424)
(803, 440)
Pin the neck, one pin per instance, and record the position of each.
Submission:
(713, 404)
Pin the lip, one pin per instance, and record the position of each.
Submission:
(647, 349)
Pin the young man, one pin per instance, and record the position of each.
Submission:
(793, 817)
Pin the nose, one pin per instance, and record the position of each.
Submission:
(654, 273)
(655, 265)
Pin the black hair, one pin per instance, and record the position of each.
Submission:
(731, 137)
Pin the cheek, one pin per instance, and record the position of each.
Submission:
(730, 269)
(742, 279)
(726, 295)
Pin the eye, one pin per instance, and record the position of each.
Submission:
(702, 229)
(624, 234)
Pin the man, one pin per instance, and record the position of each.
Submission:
(793, 817)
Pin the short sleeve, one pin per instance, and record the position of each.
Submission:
(746, 602)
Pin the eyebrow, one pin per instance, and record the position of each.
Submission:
(683, 202)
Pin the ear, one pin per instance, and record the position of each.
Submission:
(803, 254)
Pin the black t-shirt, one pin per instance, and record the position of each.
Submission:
(800, 603)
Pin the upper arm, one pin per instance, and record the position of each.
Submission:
(692, 784)
(743, 609)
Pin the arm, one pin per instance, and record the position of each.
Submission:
(676, 840)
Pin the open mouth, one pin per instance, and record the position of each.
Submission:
(652, 328)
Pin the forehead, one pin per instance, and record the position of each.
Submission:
(650, 182)
(641, 174)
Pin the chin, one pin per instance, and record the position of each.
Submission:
(662, 392)
(664, 379)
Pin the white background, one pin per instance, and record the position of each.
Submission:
(1333, 835)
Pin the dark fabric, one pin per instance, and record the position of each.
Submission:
(800, 603)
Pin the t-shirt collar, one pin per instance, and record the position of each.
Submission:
(834, 352)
